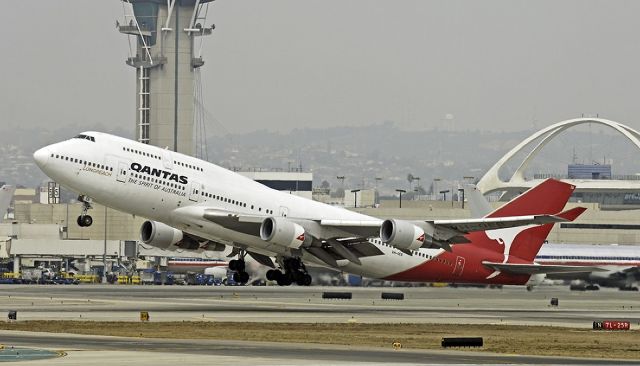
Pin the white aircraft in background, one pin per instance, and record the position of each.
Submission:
(619, 264)
(184, 265)
(6, 195)
(608, 265)
(195, 205)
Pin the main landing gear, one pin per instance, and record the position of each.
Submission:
(238, 265)
(294, 271)
(85, 220)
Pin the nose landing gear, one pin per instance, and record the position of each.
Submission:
(85, 220)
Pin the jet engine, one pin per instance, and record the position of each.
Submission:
(160, 235)
(278, 230)
(401, 234)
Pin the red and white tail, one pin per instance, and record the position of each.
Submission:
(524, 242)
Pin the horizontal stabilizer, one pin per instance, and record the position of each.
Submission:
(572, 214)
(518, 268)
(465, 226)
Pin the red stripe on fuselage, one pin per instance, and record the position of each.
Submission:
(445, 268)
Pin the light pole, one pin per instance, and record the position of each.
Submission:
(401, 191)
(444, 194)
(377, 179)
(355, 196)
(104, 253)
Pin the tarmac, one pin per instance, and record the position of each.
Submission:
(510, 305)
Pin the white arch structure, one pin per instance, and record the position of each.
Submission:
(491, 181)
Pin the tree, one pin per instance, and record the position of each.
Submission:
(410, 179)
(420, 190)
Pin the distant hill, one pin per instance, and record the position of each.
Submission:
(358, 153)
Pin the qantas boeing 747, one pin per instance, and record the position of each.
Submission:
(196, 205)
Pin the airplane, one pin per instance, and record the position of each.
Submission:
(196, 205)
(6, 195)
(619, 264)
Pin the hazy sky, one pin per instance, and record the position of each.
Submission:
(282, 64)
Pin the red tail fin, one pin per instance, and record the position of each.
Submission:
(547, 198)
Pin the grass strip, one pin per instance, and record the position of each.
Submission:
(509, 339)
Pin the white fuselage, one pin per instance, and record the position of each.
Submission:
(161, 185)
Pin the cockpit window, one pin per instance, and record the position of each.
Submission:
(86, 137)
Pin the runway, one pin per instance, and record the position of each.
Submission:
(511, 305)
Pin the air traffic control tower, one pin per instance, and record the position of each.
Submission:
(167, 55)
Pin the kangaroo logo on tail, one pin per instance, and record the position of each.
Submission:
(505, 237)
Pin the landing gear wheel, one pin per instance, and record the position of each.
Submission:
(272, 274)
(303, 279)
(241, 277)
(232, 264)
(85, 220)
(237, 265)
(295, 271)
(240, 266)
(306, 280)
(284, 280)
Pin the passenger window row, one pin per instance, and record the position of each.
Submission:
(143, 153)
(414, 252)
(83, 162)
(188, 166)
(233, 202)
(158, 181)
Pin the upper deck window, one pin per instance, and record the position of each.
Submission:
(86, 137)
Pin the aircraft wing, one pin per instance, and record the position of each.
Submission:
(246, 224)
(443, 233)
(335, 239)
(330, 243)
(531, 269)
(453, 228)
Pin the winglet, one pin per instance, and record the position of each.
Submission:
(572, 214)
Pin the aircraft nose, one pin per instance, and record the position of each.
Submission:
(42, 157)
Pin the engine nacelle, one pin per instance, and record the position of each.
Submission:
(160, 235)
(401, 234)
(280, 231)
